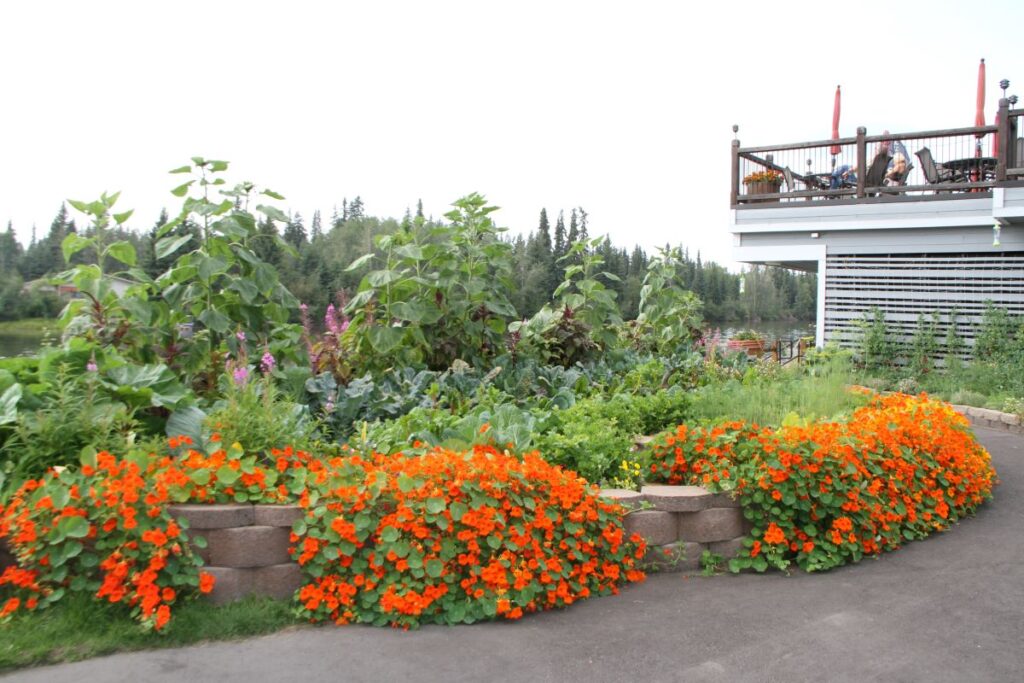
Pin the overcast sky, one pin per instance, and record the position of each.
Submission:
(623, 108)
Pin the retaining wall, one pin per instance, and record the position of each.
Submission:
(680, 522)
(246, 548)
(983, 417)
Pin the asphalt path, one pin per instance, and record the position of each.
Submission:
(950, 608)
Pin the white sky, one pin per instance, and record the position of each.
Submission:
(623, 108)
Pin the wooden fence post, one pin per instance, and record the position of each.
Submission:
(1006, 141)
(862, 160)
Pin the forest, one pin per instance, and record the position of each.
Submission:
(312, 260)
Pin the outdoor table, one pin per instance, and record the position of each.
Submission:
(972, 169)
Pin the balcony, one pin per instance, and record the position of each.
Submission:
(951, 164)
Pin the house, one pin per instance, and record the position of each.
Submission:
(64, 289)
(945, 235)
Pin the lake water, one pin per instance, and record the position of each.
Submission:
(19, 344)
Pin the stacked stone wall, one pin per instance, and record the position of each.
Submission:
(246, 548)
(680, 522)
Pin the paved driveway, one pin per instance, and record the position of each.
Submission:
(950, 608)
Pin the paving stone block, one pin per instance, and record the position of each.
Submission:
(677, 498)
(248, 546)
(277, 581)
(724, 500)
(1009, 418)
(728, 549)
(276, 515)
(657, 527)
(707, 526)
(674, 557)
(230, 584)
(214, 516)
(630, 499)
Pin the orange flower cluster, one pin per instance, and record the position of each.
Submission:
(830, 493)
(452, 537)
(103, 529)
(445, 537)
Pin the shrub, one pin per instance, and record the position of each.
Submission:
(830, 493)
(453, 538)
(73, 416)
(594, 435)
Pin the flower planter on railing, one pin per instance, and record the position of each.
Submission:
(763, 187)
(751, 347)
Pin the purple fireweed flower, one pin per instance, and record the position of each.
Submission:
(240, 336)
(329, 407)
(91, 365)
(331, 319)
(303, 307)
(344, 325)
(268, 362)
(240, 375)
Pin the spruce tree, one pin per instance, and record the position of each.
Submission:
(560, 246)
(315, 229)
(295, 231)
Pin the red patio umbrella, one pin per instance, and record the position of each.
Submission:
(979, 115)
(835, 127)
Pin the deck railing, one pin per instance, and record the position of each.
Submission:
(940, 163)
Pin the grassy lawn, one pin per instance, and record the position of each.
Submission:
(769, 401)
(28, 327)
(79, 627)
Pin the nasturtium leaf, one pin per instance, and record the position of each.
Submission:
(227, 476)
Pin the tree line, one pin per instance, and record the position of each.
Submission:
(312, 260)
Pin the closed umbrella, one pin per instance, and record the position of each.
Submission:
(979, 115)
(835, 128)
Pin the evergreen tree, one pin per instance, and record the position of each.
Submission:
(355, 209)
(315, 229)
(419, 208)
(10, 250)
(584, 235)
(574, 228)
(295, 231)
(560, 246)
(265, 245)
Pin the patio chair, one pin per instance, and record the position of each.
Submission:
(876, 172)
(790, 183)
(901, 179)
(932, 173)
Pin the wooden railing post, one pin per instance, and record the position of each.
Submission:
(735, 192)
(1006, 142)
(862, 160)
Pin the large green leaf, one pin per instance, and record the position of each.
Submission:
(385, 339)
(9, 404)
(379, 278)
(146, 385)
(188, 422)
(123, 251)
(168, 245)
(72, 244)
(215, 320)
